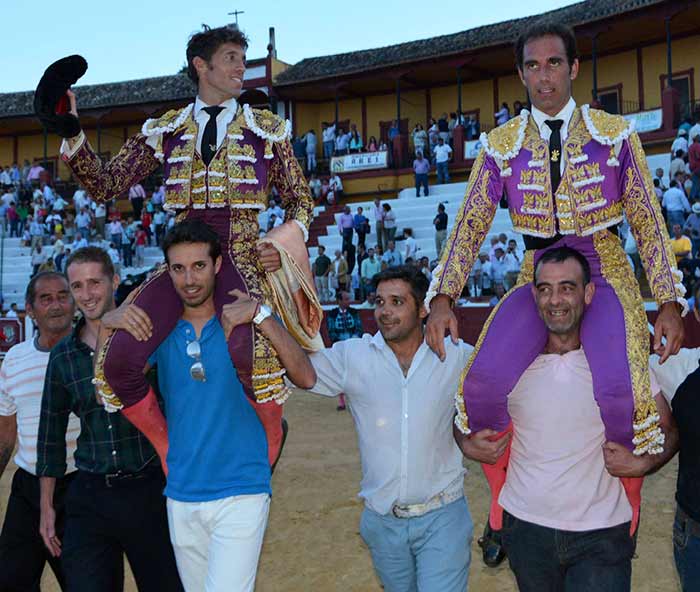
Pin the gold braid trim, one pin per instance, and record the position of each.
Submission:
(525, 277)
(649, 230)
(614, 268)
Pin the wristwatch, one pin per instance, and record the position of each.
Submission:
(263, 312)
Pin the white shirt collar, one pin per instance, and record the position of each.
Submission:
(230, 105)
(565, 114)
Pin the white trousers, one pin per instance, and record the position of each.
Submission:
(217, 544)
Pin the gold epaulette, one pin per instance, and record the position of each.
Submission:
(266, 125)
(505, 142)
(168, 122)
(605, 128)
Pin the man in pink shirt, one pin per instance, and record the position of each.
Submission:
(567, 522)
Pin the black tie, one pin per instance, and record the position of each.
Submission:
(209, 136)
(555, 151)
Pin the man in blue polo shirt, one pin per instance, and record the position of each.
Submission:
(218, 485)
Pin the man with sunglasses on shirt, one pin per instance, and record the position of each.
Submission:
(218, 485)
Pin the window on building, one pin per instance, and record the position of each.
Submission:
(609, 100)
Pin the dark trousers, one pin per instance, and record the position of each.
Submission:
(103, 522)
(137, 204)
(127, 255)
(22, 551)
(548, 560)
(422, 181)
(686, 550)
(360, 237)
(347, 238)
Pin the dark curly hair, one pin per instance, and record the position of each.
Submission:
(205, 43)
(409, 274)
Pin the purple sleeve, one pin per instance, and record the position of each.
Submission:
(473, 221)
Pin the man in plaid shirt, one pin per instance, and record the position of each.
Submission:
(114, 505)
(343, 323)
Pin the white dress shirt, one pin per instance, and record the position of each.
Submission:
(222, 120)
(565, 114)
(403, 423)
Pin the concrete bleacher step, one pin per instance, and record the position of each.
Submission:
(418, 213)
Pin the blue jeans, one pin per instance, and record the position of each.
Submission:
(695, 190)
(328, 148)
(548, 560)
(686, 550)
(429, 553)
(443, 175)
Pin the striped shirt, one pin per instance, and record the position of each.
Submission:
(21, 385)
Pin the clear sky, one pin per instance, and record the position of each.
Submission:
(128, 39)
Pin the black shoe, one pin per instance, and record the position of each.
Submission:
(492, 551)
(285, 431)
(340, 408)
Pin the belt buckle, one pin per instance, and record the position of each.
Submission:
(395, 509)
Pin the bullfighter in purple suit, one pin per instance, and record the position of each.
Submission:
(219, 160)
(569, 174)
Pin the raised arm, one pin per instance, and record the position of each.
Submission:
(106, 180)
(293, 358)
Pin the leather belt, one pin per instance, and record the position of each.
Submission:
(437, 501)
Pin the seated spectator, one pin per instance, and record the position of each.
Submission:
(80, 242)
(694, 166)
(517, 108)
(391, 256)
(325, 190)
(372, 145)
(369, 301)
(680, 244)
(13, 312)
(383, 147)
(315, 187)
(498, 292)
(39, 257)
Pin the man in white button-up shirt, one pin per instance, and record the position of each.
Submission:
(416, 522)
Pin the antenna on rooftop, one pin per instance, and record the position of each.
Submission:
(235, 14)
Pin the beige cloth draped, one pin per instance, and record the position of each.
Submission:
(293, 291)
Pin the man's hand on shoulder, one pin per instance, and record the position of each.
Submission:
(441, 318)
(239, 312)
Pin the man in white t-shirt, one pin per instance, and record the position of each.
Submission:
(567, 519)
(442, 158)
(22, 551)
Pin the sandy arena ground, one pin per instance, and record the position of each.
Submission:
(312, 542)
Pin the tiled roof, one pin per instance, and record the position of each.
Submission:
(97, 96)
(504, 32)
